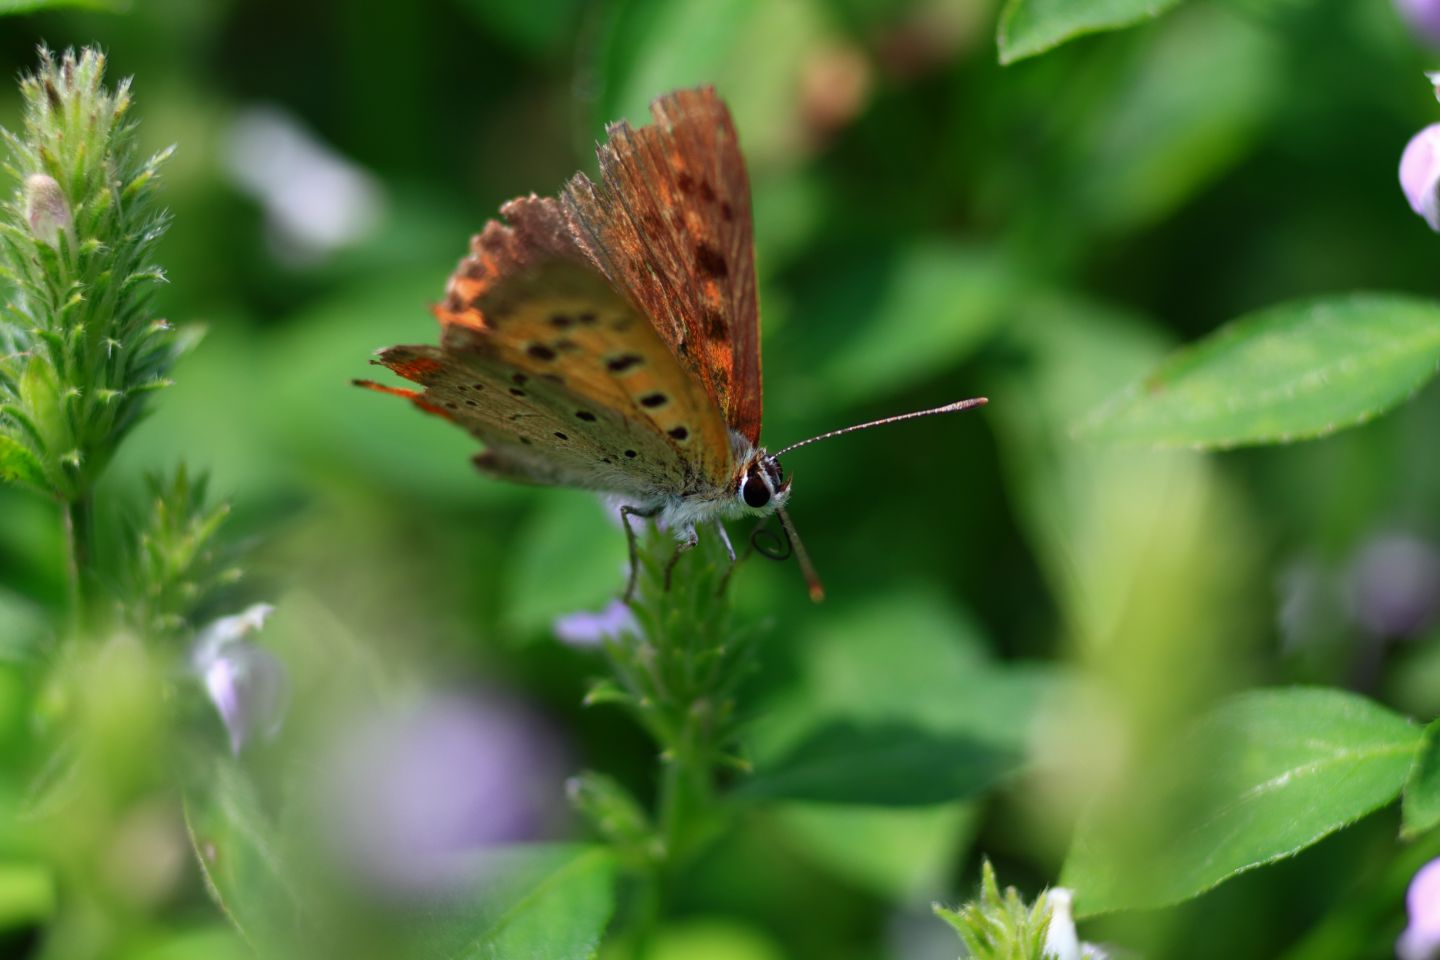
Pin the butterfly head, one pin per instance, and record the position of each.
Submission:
(762, 487)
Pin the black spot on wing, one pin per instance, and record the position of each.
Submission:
(715, 326)
(710, 261)
(626, 361)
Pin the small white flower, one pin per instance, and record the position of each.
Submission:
(316, 201)
(247, 683)
(1061, 941)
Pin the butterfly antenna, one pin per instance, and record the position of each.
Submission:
(955, 407)
(812, 579)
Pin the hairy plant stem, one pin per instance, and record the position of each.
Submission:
(79, 529)
(686, 800)
(680, 673)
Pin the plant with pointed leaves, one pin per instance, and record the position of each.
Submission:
(176, 564)
(1001, 927)
(677, 662)
(80, 347)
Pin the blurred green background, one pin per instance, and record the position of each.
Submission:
(929, 226)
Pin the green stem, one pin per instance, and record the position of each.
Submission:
(79, 558)
(684, 796)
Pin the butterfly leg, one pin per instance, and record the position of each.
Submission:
(684, 546)
(724, 536)
(626, 512)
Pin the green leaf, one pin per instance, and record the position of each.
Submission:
(1028, 27)
(712, 939)
(898, 705)
(1287, 373)
(19, 465)
(1420, 807)
(216, 942)
(899, 765)
(241, 857)
(1262, 776)
(31, 6)
(545, 900)
(903, 854)
(40, 398)
(1170, 123)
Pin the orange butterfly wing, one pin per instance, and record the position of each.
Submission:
(670, 224)
(559, 374)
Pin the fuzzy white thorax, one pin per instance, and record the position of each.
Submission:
(681, 514)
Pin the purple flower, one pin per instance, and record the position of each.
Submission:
(585, 629)
(409, 798)
(1420, 174)
(247, 683)
(1423, 16)
(1421, 939)
(1393, 585)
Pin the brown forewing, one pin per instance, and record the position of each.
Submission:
(670, 224)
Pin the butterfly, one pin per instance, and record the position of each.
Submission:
(609, 338)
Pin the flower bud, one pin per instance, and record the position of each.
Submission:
(46, 209)
(249, 687)
(247, 683)
(1420, 174)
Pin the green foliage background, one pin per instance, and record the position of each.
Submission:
(930, 225)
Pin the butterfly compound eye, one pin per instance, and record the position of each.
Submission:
(754, 492)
